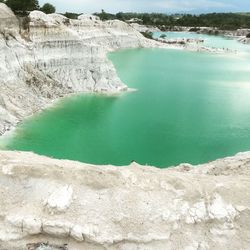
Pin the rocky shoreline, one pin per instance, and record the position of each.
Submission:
(207, 30)
(240, 34)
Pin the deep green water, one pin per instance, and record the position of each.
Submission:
(189, 107)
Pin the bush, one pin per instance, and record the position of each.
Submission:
(194, 29)
(104, 16)
(71, 15)
(48, 8)
(148, 35)
(23, 5)
(163, 36)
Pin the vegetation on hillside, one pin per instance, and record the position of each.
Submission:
(71, 15)
(23, 5)
(106, 16)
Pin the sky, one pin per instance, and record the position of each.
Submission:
(163, 6)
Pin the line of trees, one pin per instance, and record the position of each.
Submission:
(22, 6)
(225, 21)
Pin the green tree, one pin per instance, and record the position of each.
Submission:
(48, 8)
(146, 19)
(119, 16)
(148, 35)
(23, 5)
(71, 15)
(105, 16)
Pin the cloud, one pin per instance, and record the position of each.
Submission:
(90, 6)
(188, 5)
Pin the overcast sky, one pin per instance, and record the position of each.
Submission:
(164, 6)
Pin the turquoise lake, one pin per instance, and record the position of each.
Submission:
(189, 107)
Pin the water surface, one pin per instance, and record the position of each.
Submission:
(189, 107)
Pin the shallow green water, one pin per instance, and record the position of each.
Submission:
(189, 107)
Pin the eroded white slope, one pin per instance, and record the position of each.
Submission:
(134, 207)
(48, 56)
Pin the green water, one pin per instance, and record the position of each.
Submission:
(189, 107)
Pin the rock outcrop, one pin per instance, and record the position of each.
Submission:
(79, 206)
(8, 20)
(244, 40)
(44, 57)
(144, 28)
